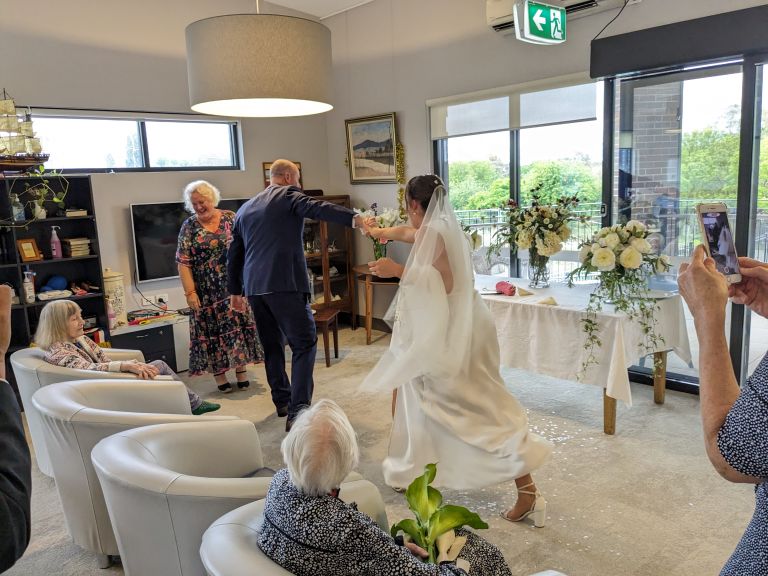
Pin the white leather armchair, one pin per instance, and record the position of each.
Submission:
(230, 545)
(76, 416)
(165, 484)
(33, 372)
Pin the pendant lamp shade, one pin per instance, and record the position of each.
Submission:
(259, 65)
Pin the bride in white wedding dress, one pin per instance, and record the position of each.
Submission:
(451, 404)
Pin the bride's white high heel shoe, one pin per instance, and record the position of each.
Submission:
(537, 512)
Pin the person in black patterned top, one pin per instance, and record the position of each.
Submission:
(309, 531)
(735, 421)
(15, 465)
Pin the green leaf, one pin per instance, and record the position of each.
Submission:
(450, 517)
(423, 500)
(410, 527)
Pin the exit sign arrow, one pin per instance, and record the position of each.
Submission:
(539, 23)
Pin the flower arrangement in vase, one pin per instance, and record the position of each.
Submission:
(434, 527)
(540, 228)
(623, 259)
(385, 218)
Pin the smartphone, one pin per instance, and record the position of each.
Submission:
(718, 239)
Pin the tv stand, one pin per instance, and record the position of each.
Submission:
(166, 339)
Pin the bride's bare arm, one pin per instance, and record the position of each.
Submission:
(398, 234)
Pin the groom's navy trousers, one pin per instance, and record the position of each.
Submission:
(285, 317)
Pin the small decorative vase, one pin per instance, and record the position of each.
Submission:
(379, 250)
(39, 212)
(538, 272)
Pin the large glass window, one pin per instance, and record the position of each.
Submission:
(96, 144)
(678, 145)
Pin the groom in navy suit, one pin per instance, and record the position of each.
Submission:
(266, 264)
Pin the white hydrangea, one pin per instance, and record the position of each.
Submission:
(604, 259)
(549, 245)
(564, 232)
(524, 239)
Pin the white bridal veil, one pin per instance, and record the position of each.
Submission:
(431, 316)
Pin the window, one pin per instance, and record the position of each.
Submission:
(106, 144)
(493, 146)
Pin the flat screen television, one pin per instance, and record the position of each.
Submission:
(155, 235)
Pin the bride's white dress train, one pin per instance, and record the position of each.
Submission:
(452, 405)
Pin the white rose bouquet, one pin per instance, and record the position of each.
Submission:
(385, 218)
(624, 259)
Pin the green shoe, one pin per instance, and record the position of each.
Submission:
(206, 406)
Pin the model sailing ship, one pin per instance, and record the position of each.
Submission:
(20, 150)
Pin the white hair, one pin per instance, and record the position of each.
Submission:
(321, 448)
(202, 187)
(53, 326)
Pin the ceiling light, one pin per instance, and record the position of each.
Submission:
(259, 65)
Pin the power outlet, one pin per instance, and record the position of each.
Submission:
(161, 300)
(148, 301)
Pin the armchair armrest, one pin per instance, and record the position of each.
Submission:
(122, 354)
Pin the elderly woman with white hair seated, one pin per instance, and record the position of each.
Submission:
(60, 334)
(309, 531)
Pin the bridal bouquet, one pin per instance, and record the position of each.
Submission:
(539, 228)
(385, 218)
(435, 522)
(623, 259)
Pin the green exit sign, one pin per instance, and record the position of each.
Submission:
(539, 23)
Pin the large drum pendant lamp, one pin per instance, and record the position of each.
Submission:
(259, 65)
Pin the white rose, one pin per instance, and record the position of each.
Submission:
(641, 245)
(584, 253)
(634, 226)
(631, 258)
(612, 240)
(662, 264)
(595, 246)
(603, 231)
(604, 259)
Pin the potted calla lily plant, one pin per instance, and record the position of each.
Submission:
(434, 525)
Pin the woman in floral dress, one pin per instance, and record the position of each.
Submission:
(220, 338)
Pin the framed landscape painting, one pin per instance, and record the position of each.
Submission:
(371, 149)
(266, 167)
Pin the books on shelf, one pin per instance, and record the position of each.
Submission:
(70, 212)
(73, 247)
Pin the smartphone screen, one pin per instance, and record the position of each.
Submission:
(719, 238)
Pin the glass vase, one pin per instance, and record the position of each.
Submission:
(538, 271)
(379, 250)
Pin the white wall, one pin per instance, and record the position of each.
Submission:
(394, 55)
(116, 55)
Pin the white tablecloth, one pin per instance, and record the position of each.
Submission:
(550, 339)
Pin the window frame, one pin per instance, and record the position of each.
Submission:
(141, 119)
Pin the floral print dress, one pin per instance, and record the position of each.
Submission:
(220, 338)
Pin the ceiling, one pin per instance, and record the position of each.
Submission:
(321, 8)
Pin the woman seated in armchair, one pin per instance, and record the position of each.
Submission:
(60, 334)
(308, 530)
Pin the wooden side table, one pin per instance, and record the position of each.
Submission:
(363, 274)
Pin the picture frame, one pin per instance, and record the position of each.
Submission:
(372, 149)
(266, 166)
(28, 250)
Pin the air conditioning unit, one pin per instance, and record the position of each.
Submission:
(500, 18)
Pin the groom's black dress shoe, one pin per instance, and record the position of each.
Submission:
(282, 411)
(289, 424)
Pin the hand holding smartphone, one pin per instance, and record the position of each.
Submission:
(718, 239)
